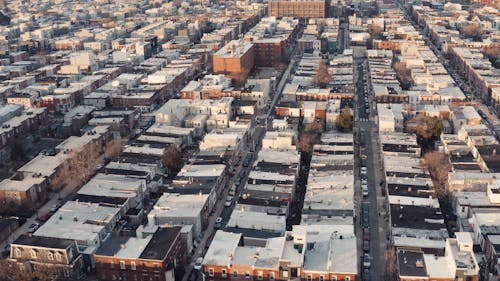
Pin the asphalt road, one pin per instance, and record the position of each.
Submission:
(369, 151)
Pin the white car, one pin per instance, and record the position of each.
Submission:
(229, 201)
(198, 263)
(364, 170)
(33, 227)
(365, 192)
(218, 223)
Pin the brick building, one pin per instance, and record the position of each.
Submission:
(236, 60)
(298, 9)
(151, 257)
(33, 253)
(271, 51)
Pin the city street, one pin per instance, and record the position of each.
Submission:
(369, 151)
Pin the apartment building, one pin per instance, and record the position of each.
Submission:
(298, 9)
(235, 59)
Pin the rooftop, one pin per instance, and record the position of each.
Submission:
(44, 242)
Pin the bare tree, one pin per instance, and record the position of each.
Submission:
(239, 79)
(438, 164)
(322, 76)
(471, 30)
(425, 127)
(114, 148)
(375, 31)
(403, 74)
(492, 53)
(307, 140)
(172, 160)
(391, 264)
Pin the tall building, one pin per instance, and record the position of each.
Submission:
(235, 60)
(298, 8)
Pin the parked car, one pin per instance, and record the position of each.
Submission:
(55, 207)
(45, 217)
(366, 234)
(33, 227)
(364, 190)
(366, 221)
(366, 261)
(366, 275)
(366, 246)
(218, 223)
(198, 263)
(364, 170)
(229, 201)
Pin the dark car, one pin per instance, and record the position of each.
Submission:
(366, 221)
(366, 275)
(366, 234)
(45, 217)
(366, 246)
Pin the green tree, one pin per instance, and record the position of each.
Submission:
(172, 160)
(344, 121)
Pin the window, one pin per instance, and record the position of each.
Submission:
(224, 273)
(334, 278)
(211, 272)
(156, 267)
(111, 265)
(50, 256)
(235, 274)
(309, 278)
(122, 264)
(271, 276)
(58, 256)
(321, 278)
(18, 253)
(247, 275)
(347, 278)
(33, 254)
(132, 265)
(260, 275)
